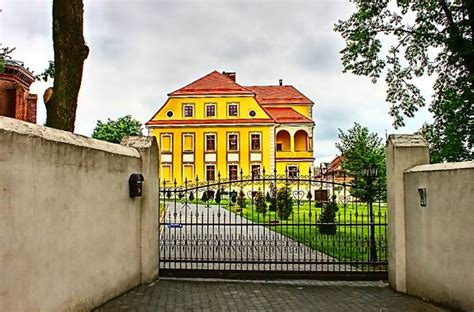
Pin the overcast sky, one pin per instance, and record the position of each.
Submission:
(142, 50)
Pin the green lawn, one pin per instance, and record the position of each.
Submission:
(351, 241)
(352, 238)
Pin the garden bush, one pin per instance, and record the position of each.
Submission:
(241, 200)
(191, 196)
(328, 215)
(218, 197)
(260, 204)
(284, 203)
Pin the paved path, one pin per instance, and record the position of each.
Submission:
(216, 237)
(220, 295)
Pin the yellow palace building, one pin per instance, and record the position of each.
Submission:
(215, 126)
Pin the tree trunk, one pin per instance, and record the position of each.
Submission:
(70, 51)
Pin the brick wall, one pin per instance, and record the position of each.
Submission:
(15, 100)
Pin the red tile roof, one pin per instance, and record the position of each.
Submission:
(213, 83)
(286, 115)
(279, 95)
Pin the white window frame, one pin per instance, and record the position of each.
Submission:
(205, 142)
(259, 170)
(192, 172)
(215, 173)
(260, 141)
(288, 171)
(192, 144)
(170, 165)
(190, 105)
(228, 107)
(208, 105)
(228, 142)
(228, 171)
(171, 142)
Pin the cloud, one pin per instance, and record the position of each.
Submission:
(142, 50)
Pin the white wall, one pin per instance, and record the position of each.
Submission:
(70, 236)
(440, 236)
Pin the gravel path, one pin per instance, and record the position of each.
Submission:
(215, 238)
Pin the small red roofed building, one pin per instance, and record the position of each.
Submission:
(15, 98)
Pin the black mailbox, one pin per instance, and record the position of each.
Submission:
(135, 184)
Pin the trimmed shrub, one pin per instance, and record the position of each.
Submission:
(284, 203)
(241, 200)
(309, 196)
(191, 196)
(168, 194)
(204, 196)
(260, 204)
(328, 215)
(180, 195)
(267, 197)
(233, 197)
(218, 197)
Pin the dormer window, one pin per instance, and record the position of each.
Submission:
(210, 110)
(232, 109)
(188, 110)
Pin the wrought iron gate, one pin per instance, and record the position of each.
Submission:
(267, 225)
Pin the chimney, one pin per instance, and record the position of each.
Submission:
(280, 82)
(230, 75)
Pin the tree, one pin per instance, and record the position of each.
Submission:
(114, 130)
(241, 200)
(260, 203)
(284, 203)
(4, 54)
(327, 218)
(431, 38)
(70, 52)
(360, 150)
(218, 196)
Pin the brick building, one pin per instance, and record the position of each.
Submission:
(15, 99)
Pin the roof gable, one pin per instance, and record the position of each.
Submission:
(212, 83)
(279, 95)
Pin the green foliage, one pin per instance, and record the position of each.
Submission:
(328, 215)
(191, 196)
(4, 54)
(233, 197)
(260, 203)
(284, 203)
(309, 196)
(218, 197)
(168, 194)
(204, 196)
(114, 130)
(48, 73)
(241, 200)
(428, 38)
(361, 149)
(267, 197)
(180, 195)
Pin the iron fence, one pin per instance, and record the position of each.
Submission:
(299, 226)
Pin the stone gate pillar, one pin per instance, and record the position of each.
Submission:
(403, 151)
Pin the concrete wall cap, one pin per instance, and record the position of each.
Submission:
(25, 128)
(442, 167)
(138, 141)
(407, 140)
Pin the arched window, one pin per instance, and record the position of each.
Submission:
(301, 141)
(283, 141)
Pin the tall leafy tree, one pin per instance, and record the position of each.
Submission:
(114, 130)
(4, 54)
(423, 37)
(70, 52)
(362, 149)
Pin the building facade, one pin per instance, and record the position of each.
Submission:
(15, 99)
(215, 128)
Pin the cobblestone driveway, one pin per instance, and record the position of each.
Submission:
(219, 295)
